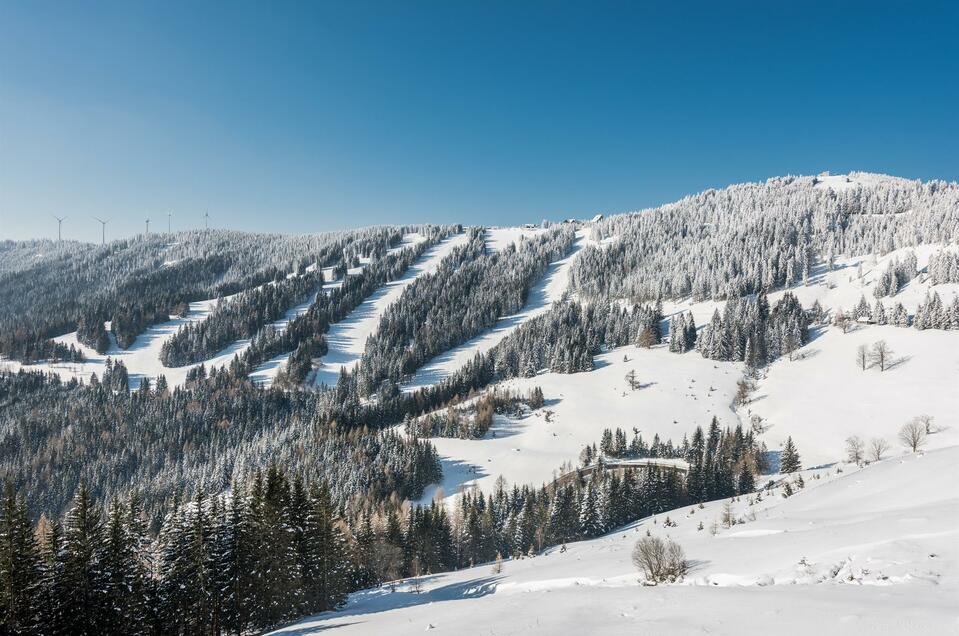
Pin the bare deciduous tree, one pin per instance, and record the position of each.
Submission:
(661, 560)
(842, 321)
(926, 421)
(913, 434)
(877, 448)
(862, 357)
(881, 354)
(728, 518)
(855, 449)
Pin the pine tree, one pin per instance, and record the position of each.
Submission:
(19, 566)
(83, 566)
(588, 514)
(747, 482)
(789, 461)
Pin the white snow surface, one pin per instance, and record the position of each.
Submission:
(678, 393)
(497, 238)
(868, 551)
(549, 289)
(347, 338)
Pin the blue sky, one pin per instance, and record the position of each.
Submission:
(300, 117)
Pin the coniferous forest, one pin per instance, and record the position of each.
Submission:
(275, 546)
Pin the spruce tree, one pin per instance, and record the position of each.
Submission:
(19, 566)
(789, 461)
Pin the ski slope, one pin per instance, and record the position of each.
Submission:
(142, 359)
(347, 338)
(868, 551)
(549, 289)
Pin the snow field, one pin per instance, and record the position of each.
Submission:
(679, 392)
(871, 550)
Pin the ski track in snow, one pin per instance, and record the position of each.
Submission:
(549, 289)
(347, 338)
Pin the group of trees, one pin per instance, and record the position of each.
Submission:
(238, 317)
(913, 436)
(277, 544)
(613, 444)
(751, 237)
(896, 276)
(272, 550)
(471, 289)
(473, 420)
(879, 354)
(748, 331)
(933, 314)
(203, 435)
(944, 267)
(930, 314)
(682, 333)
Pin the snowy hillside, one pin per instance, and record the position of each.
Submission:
(872, 551)
(820, 398)
(347, 338)
(550, 289)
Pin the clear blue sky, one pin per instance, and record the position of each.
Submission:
(307, 116)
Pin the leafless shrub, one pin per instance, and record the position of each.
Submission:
(661, 560)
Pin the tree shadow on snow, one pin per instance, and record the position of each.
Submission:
(898, 362)
(313, 628)
(381, 599)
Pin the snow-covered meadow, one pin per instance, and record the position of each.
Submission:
(871, 550)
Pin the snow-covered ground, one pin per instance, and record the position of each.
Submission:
(842, 288)
(870, 551)
(498, 238)
(823, 397)
(679, 392)
(550, 288)
(843, 182)
(347, 338)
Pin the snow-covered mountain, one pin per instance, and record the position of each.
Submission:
(485, 370)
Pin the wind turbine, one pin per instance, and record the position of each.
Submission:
(60, 220)
(104, 229)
